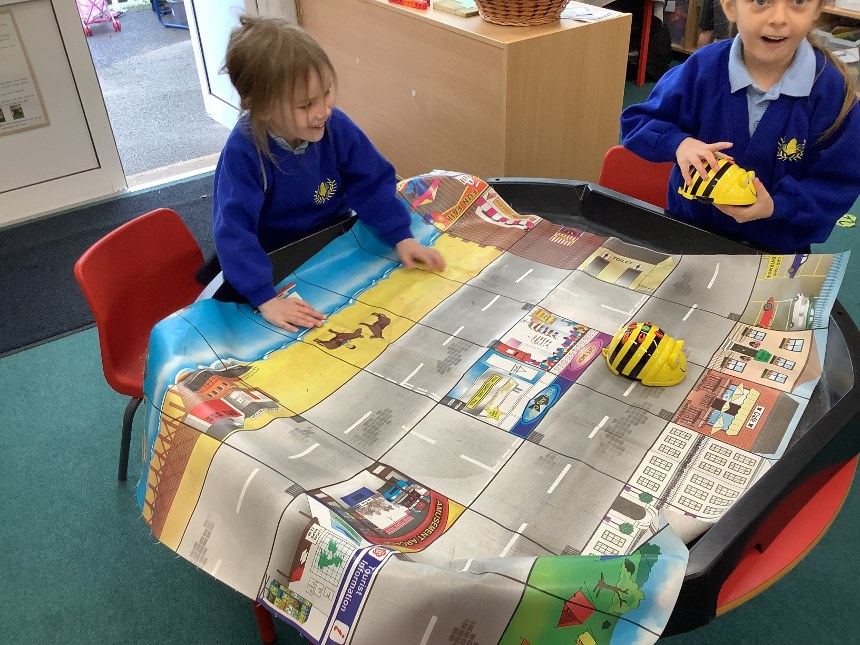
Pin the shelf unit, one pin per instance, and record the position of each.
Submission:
(845, 13)
(691, 31)
(834, 14)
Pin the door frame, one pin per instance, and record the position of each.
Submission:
(107, 177)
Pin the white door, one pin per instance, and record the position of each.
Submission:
(210, 25)
(56, 144)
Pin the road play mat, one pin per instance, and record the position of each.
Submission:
(449, 459)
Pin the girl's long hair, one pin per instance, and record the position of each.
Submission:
(848, 100)
(267, 59)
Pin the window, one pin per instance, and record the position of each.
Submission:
(680, 433)
(669, 451)
(689, 503)
(676, 442)
(656, 474)
(709, 468)
(605, 549)
(792, 344)
(778, 377)
(726, 492)
(713, 458)
(735, 478)
(695, 492)
(647, 483)
(617, 540)
(661, 463)
(734, 364)
(755, 334)
(784, 363)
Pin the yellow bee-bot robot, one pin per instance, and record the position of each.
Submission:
(730, 185)
(644, 352)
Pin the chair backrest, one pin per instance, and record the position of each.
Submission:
(631, 175)
(132, 278)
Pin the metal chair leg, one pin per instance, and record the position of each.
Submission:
(125, 442)
(265, 624)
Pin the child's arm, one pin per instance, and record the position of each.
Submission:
(656, 128)
(372, 192)
(238, 202)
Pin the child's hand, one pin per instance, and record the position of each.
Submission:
(693, 152)
(291, 313)
(762, 208)
(410, 251)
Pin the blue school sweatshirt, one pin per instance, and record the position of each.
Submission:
(812, 184)
(302, 191)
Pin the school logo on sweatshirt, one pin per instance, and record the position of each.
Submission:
(790, 150)
(325, 191)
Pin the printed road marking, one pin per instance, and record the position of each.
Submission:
(713, 279)
(414, 372)
(302, 454)
(424, 437)
(627, 313)
(629, 389)
(512, 540)
(558, 479)
(523, 275)
(468, 564)
(451, 337)
(429, 630)
(352, 427)
(245, 488)
(689, 312)
(490, 304)
(478, 463)
(598, 427)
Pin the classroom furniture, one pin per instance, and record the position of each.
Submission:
(435, 90)
(631, 175)
(133, 277)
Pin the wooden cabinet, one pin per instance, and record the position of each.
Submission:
(436, 90)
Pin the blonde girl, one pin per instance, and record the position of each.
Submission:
(293, 164)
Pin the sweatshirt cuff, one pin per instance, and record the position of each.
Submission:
(397, 235)
(783, 206)
(261, 295)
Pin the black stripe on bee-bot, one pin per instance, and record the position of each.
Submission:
(625, 360)
(646, 357)
(716, 178)
(617, 350)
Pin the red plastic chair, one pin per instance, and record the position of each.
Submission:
(132, 278)
(630, 174)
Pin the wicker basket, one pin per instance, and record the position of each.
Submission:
(520, 13)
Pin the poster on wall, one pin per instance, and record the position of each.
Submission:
(20, 104)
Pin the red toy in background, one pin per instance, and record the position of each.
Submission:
(95, 11)
(415, 4)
